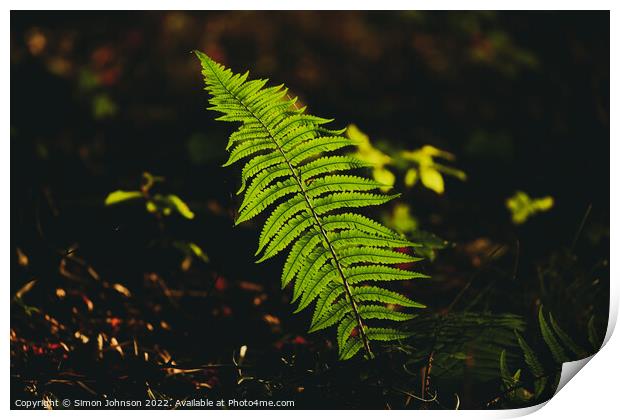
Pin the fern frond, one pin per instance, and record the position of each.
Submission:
(566, 340)
(294, 174)
(507, 377)
(387, 334)
(350, 349)
(558, 353)
(378, 294)
(380, 273)
(534, 364)
(323, 304)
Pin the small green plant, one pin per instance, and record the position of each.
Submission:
(562, 348)
(418, 165)
(161, 206)
(336, 256)
(522, 206)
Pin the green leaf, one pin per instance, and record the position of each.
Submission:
(346, 327)
(180, 206)
(556, 350)
(328, 295)
(380, 273)
(378, 294)
(326, 275)
(120, 196)
(387, 334)
(333, 316)
(191, 249)
(540, 381)
(522, 206)
(382, 312)
(566, 340)
(432, 179)
(351, 348)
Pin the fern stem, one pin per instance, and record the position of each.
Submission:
(349, 294)
(347, 289)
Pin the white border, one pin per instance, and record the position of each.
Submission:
(593, 395)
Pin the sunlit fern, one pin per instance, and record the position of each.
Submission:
(291, 170)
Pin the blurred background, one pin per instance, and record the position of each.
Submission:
(520, 101)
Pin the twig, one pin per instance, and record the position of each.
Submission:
(581, 226)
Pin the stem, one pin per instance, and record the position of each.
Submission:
(313, 213)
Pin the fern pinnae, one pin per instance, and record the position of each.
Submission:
(326, 298)
(310, 293)
(566, 340)
(292, 164)
(558, 353)
(534, 364)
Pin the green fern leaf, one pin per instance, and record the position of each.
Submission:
(330, 164)
(351, 348)
(294, 174)
(378, 294)
(345, 329)
(566, 340)
(289, 233)
(298, 254)
(380, 273)
(333, 316)
(536, 367)
(328, 295)
(309, 270)
(558, 353)
(387, 334)
(381, 312)
(358, 222)
(349, 200)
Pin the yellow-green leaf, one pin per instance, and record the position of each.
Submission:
(120, 196)
(180, 206)
(385, 177)
(432, 179)
(411, 177)
(522, 206)
(366, 151)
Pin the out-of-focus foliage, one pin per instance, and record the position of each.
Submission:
(428, 170)
(103, 107)
(401, 219)
(522, 206)
(161, 205)
(155, 203)
(418, 164)
(190, 248)
(120, 196)
(368, 153)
